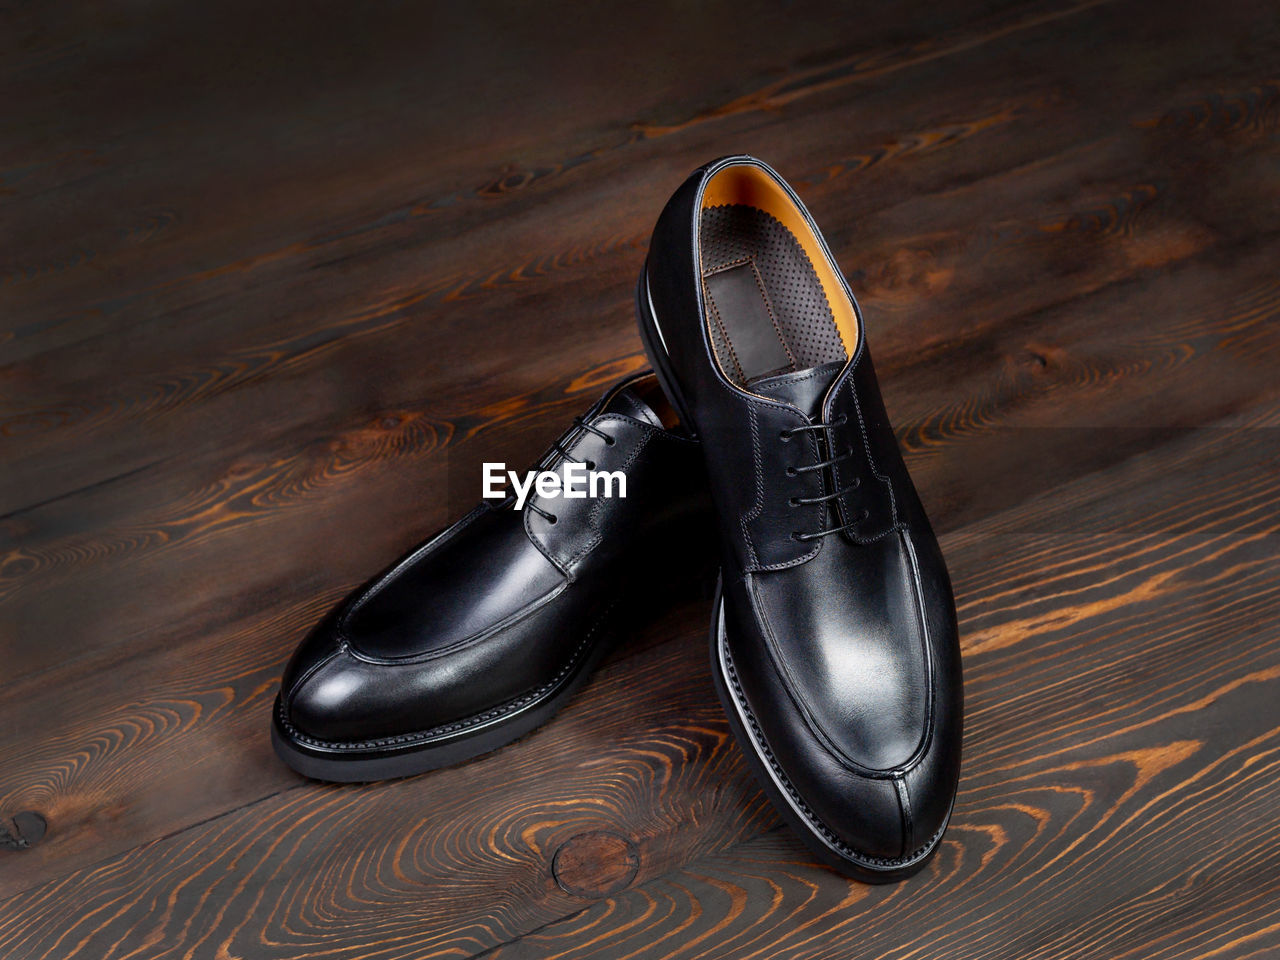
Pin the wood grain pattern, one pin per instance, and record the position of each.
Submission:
(247, 656)
(1079, 761)
(1104, 814)
(274, 283)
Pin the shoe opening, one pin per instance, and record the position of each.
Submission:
(774, 301)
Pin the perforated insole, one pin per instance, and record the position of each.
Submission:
(767, 309)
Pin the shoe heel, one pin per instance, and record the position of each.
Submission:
(651, 338)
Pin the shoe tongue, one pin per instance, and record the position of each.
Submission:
(628, 404)
(803, 388)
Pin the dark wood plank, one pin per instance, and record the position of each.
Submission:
(976, 414)
(459, 77)
(292, 333)
(1125, 247)
(272, 285)
(1048, 422)
(1114, 805)
(1063, 367)
(1120, 730)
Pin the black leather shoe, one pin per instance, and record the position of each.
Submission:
(834, 640)
(483, 632)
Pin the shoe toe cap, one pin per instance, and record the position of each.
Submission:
(318, 647)
(326, 694)
(877, 820)
(880, 821)
(861, 816)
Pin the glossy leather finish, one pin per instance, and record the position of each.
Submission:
(836, 655)
(480, 633)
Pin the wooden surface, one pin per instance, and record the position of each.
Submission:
(274, 280)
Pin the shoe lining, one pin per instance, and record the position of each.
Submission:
(769, 310)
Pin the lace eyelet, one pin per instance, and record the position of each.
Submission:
(844, 418)
(552, 518)
(794, 501)
(857, 482)
(797, 536)
(862, 516)
(590, 464)
(791, 471)
(784, 436)
(609, 441)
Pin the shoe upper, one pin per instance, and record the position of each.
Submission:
(502, 606)
(838, 617)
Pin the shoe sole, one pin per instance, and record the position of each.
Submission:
(773, 781)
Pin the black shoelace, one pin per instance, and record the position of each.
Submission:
(561, 447)
(828, 440)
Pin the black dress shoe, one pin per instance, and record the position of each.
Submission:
(834, 634)
(483, 632)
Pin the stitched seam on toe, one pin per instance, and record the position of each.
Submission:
(801, 805)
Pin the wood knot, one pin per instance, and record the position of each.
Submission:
(26, 829)
(595, 864)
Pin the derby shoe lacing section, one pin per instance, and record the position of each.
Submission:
(825, 431)
(561, 447)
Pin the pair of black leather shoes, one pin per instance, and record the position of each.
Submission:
(833, 633)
